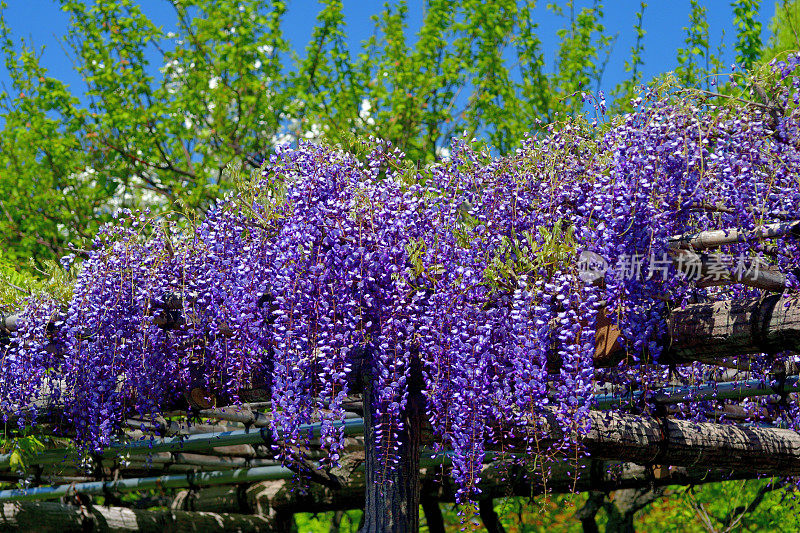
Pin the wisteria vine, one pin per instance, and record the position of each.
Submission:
(332, 265)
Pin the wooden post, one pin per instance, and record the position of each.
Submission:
(392, 495)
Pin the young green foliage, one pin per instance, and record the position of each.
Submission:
(785, 28)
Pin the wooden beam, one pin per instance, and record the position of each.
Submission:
(710, 271)
(648, 440)
(704, 240)
(708, 332)
(45, 517)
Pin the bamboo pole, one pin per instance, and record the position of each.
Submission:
(613, 436)
(175, 450)
(283, 499)
(498, 479)
(189, 480)
(246, 416)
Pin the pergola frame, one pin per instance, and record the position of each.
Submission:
(711, 333)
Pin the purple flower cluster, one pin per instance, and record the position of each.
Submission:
(333, 267)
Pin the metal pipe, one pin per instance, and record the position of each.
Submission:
(732, 390)
(190, 479)
(177, 481)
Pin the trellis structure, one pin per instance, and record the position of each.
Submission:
(233, 446)
(433, 329)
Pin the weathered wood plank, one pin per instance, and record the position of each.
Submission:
(711, 331)
(648, 440)
(704, 240)
(51, 517)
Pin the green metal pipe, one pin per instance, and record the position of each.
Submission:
(178, 481)
(188, 480)
(729, 390)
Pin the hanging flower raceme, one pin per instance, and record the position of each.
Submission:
(333, 271)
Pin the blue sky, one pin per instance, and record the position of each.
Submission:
(43, 23)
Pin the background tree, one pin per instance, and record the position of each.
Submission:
(228, 88)
(784, 29)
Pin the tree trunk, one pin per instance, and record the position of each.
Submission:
(392, 494)
(623, 505)
(489, 517)
(336, 521)
(588, 513)
(619, 523)
(433, 514)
